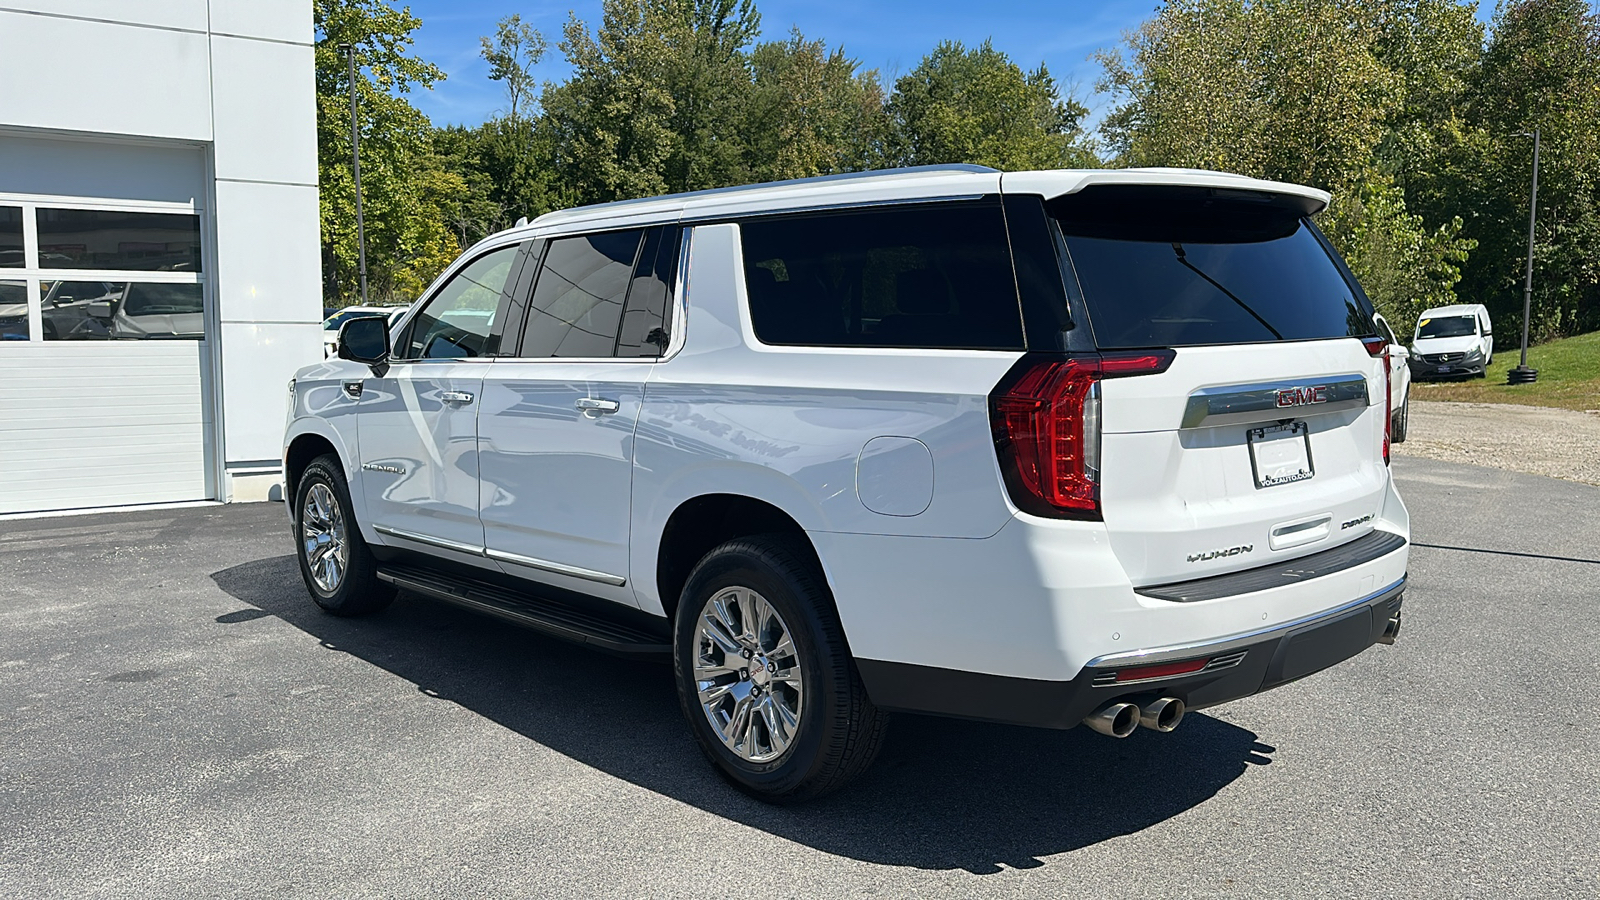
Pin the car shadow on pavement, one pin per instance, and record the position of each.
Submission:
(944, 794)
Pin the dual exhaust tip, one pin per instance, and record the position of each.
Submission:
(1121, 719)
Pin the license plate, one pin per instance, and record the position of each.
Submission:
(1444, 368)
(1280, 454)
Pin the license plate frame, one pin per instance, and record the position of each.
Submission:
(1280, 454)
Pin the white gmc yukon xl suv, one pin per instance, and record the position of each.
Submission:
(1044, 448)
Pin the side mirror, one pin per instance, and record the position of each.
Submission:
(365, 340)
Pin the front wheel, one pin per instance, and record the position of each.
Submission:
(765, 677)
(335, 562)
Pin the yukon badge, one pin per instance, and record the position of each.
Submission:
(1217, 554)
(1302, 396)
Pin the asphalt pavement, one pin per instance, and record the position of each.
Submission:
(178, 720)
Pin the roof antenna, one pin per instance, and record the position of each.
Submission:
(523, 220)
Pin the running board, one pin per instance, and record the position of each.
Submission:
(551, 617)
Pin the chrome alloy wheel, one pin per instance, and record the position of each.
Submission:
(747, 674)
(322, 537)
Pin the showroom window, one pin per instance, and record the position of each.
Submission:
(78, 272)
(10, 237)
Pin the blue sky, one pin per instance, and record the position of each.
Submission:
(890, 36)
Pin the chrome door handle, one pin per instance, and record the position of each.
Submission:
(594, 407)
(455, 396)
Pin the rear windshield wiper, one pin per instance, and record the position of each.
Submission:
(1183, 257)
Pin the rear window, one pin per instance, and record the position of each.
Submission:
(1188, 267)
(929, 276)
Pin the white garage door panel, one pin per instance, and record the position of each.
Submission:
(101, 424)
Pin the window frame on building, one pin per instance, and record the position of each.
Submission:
(35, 277)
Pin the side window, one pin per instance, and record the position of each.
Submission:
(577, 301)
(931, 276)
(457, 322)
(644, 320)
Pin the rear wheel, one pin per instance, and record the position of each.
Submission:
(335, 562)
(1397, 430)
(765, 677)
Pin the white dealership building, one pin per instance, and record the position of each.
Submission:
(160, 271)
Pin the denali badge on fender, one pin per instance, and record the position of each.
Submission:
(1302, 396)
(1214, 554)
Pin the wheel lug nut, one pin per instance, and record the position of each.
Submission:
(746, 653)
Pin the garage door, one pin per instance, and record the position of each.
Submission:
(103, 354)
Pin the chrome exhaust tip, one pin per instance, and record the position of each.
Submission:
(1391, 631)
(1117, 720)
(1162, 714)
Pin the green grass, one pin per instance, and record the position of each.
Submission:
(1569, 376)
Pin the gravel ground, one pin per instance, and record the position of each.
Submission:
(178, 720)
(1539, 440)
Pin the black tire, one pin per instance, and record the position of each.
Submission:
(1397, 432)
(358, 591)
(839, 731)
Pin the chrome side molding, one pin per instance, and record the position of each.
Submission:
(430, 541)
(1238, 404)
(542, 565)
(545, 565)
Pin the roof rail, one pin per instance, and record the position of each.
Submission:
(948, 168)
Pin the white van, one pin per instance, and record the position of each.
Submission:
(1452, 340)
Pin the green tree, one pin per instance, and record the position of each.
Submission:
(977, 106)
(475, 213)
(1541, 70)
(1434, 48)
(1403, 265)
(511, 54)
(656, 99)
(1304, 91)
(506, 161)
(811, 112)
(1286, 89)
(406, 190)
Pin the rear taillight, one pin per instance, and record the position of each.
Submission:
(1378, 348)
(1046, 420)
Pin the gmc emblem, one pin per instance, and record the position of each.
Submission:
(1302, 396)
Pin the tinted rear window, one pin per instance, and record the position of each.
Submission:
(1186, 268)
(935, 276)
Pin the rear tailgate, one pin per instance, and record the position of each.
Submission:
(1200, 476)
(1264, 438)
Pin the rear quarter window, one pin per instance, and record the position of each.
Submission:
(928, 276)
(1194, 267)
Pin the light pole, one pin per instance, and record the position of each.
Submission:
(1522, 374)
(355, 156)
